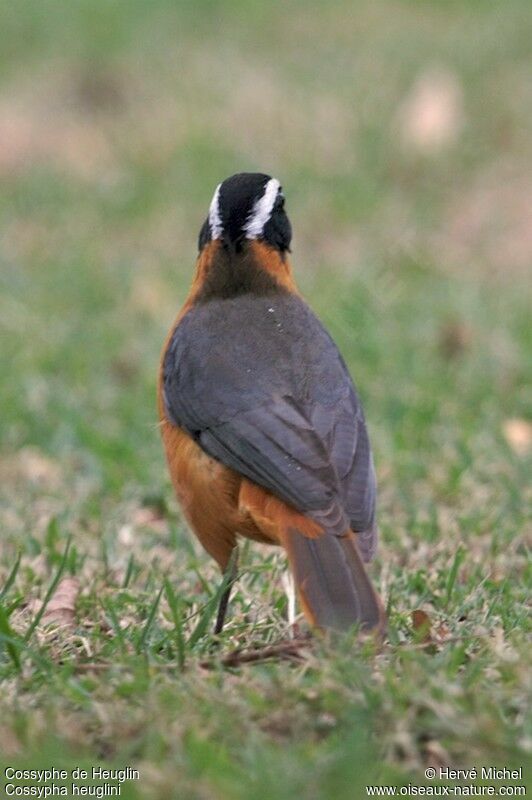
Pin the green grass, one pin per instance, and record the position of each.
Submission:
(117, 121)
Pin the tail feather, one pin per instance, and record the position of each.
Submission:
(372, 609)
(332, 582)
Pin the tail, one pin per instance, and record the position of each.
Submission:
(333, 585)
(332, 582)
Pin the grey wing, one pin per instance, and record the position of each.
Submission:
(289, 421)
(274, 446)
(271, 443)
(361, 497)
(352, 453)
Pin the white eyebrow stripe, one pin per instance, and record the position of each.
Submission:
(262, 210)
(215, 220)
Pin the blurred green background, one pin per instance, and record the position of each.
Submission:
(400, 131)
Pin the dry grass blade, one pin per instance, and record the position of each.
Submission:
(422, 626)
(290, 649)
(61, 609)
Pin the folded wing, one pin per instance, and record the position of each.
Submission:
(262, 388)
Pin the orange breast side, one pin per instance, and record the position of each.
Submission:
(219, 504)
(207, 492)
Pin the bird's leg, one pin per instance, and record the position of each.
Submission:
(290, 591)
(229, 579)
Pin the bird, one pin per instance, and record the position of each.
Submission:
(263, 430)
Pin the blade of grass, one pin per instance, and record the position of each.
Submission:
(73, 560)
(451, 580)
(175, 609)
(49, 593)
(119, 633)
(205, 584)
(51, 538)
(129, 571)
(14, 605)
(211, 606)
(11, 640)
(149, 621)
(43, 664)
(11, 577)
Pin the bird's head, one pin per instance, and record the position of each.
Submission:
(247, 206)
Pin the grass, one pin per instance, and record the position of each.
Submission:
(413, 246)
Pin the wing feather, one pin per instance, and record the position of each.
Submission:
(262, 388)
